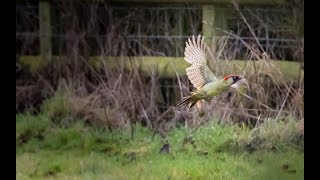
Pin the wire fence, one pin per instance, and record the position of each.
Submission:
(104, 29)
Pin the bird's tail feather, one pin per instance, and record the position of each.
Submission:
(187, 100)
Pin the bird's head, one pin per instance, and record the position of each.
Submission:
(233, 79)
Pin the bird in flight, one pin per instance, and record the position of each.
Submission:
(201, 76)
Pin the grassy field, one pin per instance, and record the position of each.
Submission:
(214, 151)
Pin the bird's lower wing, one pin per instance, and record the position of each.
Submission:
(200, 75)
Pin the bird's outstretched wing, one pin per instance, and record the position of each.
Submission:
(198, 73)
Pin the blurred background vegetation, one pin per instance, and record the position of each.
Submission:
(119, 64)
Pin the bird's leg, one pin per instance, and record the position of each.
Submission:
(200, 105)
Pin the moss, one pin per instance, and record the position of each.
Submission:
(32, 63)
(168, 67)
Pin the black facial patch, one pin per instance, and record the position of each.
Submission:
(235, 79)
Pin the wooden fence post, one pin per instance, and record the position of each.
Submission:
(45, 30)
(213, 17)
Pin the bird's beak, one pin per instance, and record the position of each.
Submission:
(239, 83)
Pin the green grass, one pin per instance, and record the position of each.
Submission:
(44, 150)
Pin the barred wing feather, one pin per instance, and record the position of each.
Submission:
(198, 73)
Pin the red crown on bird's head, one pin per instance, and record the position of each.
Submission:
(229, 76)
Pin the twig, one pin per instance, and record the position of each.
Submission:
(284, 101)
(247, 96)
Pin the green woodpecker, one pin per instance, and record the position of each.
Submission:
(202, 77)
